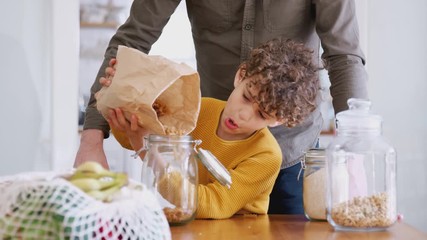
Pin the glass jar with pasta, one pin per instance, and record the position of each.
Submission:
(170, 170)
(361, 168)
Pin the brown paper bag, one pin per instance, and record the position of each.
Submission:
(141, 81)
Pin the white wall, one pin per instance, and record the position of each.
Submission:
(397, 68)
(64, 69)
(21, 103)
(393, 35)
(38, 126)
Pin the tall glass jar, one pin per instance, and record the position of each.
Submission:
(361, 188)
(170, 170)
(314, 184)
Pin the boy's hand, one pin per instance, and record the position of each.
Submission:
(133, 131)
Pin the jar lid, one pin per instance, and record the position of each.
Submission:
(170, 138)
(215, 167)
(358, 116)
(315, 155)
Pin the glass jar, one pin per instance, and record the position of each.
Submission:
(361, 186)
(314, 184)
(170, 170)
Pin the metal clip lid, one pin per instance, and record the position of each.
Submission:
(315, 155)
(312, 156)
(214, 167)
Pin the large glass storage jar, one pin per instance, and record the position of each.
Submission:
(314, 184)
(361, 187)
(170, 170)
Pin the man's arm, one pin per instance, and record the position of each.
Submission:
(143, 27)
(337, 27)
(91, 148)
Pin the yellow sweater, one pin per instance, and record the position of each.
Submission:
(253, 163)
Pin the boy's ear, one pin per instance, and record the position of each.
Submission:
(240, 75)
(275, 124)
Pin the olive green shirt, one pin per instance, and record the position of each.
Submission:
(224, 31)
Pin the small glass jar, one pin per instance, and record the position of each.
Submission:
(361, 188)
(314, 184)
(170, 170)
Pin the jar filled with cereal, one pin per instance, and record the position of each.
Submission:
(170, 169)
(361, 186)
(314, 184)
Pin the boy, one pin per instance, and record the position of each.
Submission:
(277, 85)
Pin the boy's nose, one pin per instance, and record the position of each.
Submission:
(245, 114)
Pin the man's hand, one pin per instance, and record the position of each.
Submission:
(91, 148)
(109, 73)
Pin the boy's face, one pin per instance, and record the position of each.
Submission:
(242, 116)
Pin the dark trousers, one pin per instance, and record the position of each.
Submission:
(286, 197)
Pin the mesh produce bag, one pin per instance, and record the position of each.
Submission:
(45, 206)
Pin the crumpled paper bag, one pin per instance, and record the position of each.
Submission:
(142, 80)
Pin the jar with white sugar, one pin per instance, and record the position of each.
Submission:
(314, 185)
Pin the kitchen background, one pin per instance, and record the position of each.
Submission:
(53, 49)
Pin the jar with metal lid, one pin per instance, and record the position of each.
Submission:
(361, 189)
(170, 169)
(314, 184)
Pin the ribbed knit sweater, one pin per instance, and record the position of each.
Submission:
(253, 163)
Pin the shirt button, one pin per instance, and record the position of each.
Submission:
(248, 26)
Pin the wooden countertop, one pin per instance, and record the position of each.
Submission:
(284, 227)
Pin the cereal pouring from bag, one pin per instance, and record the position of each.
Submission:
(164, 95)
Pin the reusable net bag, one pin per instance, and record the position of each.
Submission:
(164, 95)
(45, 206)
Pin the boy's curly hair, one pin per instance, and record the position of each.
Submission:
(285, 79)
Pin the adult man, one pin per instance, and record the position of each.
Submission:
(224, 31)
